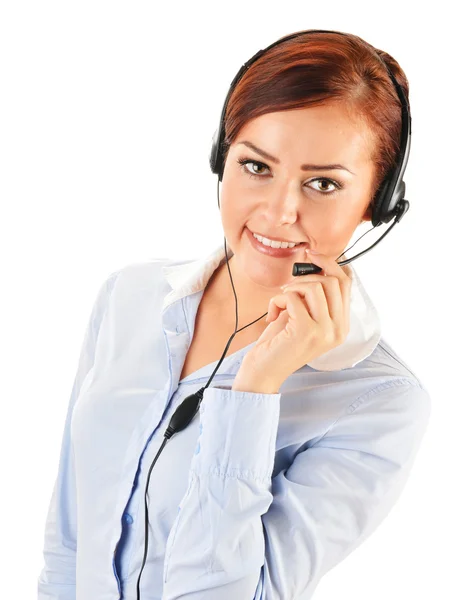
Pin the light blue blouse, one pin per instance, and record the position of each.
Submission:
(261, 495)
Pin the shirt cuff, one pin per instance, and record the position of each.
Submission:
(237, 434)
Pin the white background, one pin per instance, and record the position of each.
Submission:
(107, 114)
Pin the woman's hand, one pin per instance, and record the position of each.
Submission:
(308, 318)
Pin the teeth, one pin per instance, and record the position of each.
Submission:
(273, 244)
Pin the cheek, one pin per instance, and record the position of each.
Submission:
(234, 218)
(235, 206)
(342, 223)
(329, 236)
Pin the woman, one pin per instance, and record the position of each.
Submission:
(310, 427)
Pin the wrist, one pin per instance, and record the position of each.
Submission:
(250, 379)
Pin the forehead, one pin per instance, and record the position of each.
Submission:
(326, 132)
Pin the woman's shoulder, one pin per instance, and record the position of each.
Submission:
(389, 362)
(140, 273)
(136, 284)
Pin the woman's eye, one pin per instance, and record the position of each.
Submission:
(324, 189)
(245, 162)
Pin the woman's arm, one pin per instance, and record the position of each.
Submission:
(239, 535)
(57, 578)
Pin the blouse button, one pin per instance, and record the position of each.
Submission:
(128, 518)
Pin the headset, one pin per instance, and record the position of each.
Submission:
(388, 203)
(389, 200)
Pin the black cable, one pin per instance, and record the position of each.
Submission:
(186, 411)
(183, 416)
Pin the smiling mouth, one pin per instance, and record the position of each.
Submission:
(271, 239)
(277, 252)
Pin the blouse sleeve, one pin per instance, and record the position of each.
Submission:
(56, 580)
(239, 534)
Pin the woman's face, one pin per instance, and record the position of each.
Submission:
(277, 197)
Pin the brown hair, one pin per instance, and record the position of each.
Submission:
(314, 69)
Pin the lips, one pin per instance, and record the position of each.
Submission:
(274, 239)
(274, 252)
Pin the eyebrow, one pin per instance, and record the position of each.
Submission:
(305, 167)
